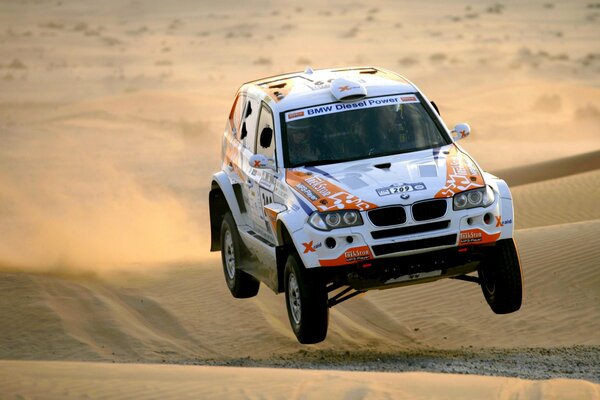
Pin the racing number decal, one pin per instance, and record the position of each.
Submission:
(405, 187)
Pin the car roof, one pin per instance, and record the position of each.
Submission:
(313, 87)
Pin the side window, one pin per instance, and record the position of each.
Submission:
(249, 120)
(235, 116)
(265, 143)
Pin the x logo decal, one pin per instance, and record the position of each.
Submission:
(308, 247)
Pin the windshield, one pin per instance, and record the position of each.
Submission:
(372, 127)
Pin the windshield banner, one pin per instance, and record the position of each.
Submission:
(341, 107)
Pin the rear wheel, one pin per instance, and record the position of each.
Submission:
(241, 284)
(501, 278)
(306, 300)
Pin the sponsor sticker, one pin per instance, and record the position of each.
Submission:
(319, 185)
(347, 88)
(473, 236)
(280, 190)
(310, 247)
(319, 85)
(350, 256)
(358, 254)
(307, 192)
(500, 223)
(267, 181)
(323, 194)
(401, 188)
(340, 107)
(295, 114)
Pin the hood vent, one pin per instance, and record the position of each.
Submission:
(348, 89)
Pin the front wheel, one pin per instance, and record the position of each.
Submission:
(501, 278)
(241, 284)
(306, 300)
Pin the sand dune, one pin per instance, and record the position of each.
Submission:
(185, 312)
(557, 201)
(550, 169)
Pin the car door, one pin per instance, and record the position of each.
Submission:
(265, 177)
(251, 175)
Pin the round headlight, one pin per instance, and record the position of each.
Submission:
(460, 200)
(475, 197)
(350, 217)
(333, 219)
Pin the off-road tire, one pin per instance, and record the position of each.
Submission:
(306, 301)
(501, 278)
(241, 284)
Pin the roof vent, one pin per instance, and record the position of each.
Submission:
(347, 89)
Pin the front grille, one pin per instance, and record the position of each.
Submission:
(430, 209)
(387, 216)
(388, 248)
(409, 230)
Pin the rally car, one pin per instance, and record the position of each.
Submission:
(339, 181)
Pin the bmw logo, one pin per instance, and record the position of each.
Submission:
(404, 196)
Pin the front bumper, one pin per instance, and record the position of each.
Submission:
(394, 272)
(368, 242)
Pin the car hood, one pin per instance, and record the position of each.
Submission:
(377, 182)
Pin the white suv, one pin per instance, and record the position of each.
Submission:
(339, 181)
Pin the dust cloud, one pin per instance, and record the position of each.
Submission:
(92, 192)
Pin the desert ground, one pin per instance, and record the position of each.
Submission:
(111, 115)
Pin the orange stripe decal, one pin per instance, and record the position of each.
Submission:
(461, 174)
(277, 90)
(324, 195)
(272, 217)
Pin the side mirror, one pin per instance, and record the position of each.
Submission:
(260, 161)
(461, 131)
(266, 137)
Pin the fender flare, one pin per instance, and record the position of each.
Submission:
(289, 221)
(506, 203)
(292, 223)
(223, 196)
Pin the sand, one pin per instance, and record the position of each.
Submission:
(96, 380)
(110, 119)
